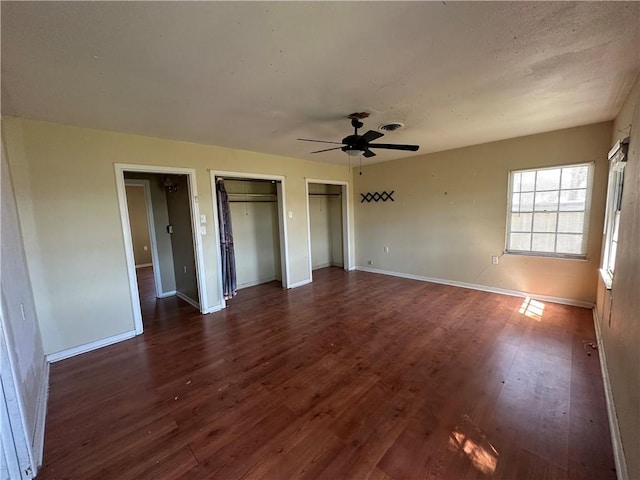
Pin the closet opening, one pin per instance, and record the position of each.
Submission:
(327, 206)
(257, 222)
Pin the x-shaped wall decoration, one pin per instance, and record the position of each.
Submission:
(376, 197)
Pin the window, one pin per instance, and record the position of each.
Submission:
(617, 160)
(549, 211)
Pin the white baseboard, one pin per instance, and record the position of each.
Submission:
(215, 308)
(170, 293)
(187, 299)
(484, 288)
(256, 282)
(37, 442)
(616, 439)
(325, 265)
(142, 265)
(72, 352)
(300, 284)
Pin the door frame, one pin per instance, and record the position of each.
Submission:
(120, 169)
(282, 221)
(347, 251)
(151, 225)
(22, 459)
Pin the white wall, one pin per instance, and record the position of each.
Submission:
(19, 321)
(449, 214)
(619, 308)
(73, 237)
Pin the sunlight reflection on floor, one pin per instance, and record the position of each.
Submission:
(532, 308)
(469, 439)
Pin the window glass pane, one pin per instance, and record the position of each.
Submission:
(526, 202)
(571, 222)
(548, 210)
(516, 182)
(528, 181)
(575, 177)
(520, 241)
(548, 179)
(544, 222)
(616, 225)
(612, 257)
(521, 222)
(515, 202)
(543, 242)
(573, 200)
(546, 201)
(568, 243)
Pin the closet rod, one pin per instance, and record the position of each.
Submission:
(325, 194)
(253, 201)
(251, 194)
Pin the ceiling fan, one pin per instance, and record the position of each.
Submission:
(356, 144)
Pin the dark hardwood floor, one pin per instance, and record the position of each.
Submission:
(356, 376)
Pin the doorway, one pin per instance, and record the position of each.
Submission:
(174, 245)
(257, 208)
(328, 224)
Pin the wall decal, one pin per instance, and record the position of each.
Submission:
(376, 197)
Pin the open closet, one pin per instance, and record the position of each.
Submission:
(326, 225)
(255, 219)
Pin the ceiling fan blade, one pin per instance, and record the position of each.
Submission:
(372, 135)
(368, 153)
(318, 141)
(391, 146)
(326, 150)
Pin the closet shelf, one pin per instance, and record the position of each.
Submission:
(252, 197)
(332, 195)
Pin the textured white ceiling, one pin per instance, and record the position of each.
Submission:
(256, 76)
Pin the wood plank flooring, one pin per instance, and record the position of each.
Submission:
(356, 376)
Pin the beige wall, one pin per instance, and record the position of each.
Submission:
(619, 308)
(449, 214)
(66, 194)
(139, 223)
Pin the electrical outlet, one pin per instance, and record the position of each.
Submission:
(145, 248)
(370, 262)
(494, 260)
(386, 249)
(185, 269)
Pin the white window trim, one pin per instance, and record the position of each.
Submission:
(587, 211)
(617, 162)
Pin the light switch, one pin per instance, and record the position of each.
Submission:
(290, 214)
(203, 230)
(203, 218)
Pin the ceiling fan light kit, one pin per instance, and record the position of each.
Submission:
(355, 144)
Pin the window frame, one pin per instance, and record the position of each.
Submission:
(615, 187)
(587, 212)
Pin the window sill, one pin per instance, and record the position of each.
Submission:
(579, 258)
(606, 278)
